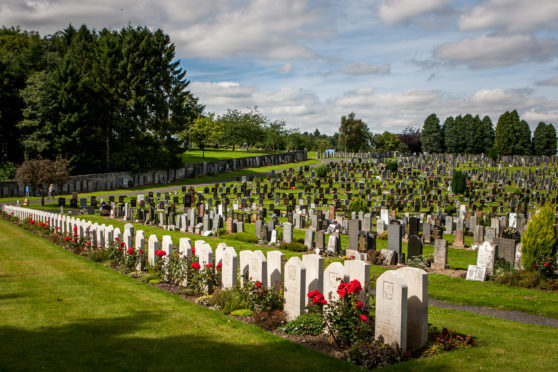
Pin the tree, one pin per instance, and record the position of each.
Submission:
(386, 141)
(487, 136)
(513, 137)
(450, 135)
(544, 139)
(243, 128)
(412, 138)
(353, 134)
(540, 239)
(38, 173)
(204, 130)
(431, 136)
(458, 182)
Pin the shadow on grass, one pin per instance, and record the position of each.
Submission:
(114, 344)
(11, 296)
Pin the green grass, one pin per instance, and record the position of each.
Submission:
(196, 156)
(488, 294)
(60, 311)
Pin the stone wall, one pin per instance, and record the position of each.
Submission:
(119, 180)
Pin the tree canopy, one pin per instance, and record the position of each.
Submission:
(353, 134)
(431, 136)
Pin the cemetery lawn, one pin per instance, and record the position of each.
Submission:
(60, 311)
(196, 156)
(183, 182)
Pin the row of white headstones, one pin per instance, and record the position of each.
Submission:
(401, 295)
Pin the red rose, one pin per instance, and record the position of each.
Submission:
(364, 318)
(141, 251)
(341, 292)
(130, 251)
(195, 265)
(219, 266)
(116, 239)
(75, 228)
(258, 284)
(122, 244)
(354, 286)
(546, 264)
(163, 253)
(209, 266)
(193, 250)
(66, 238)
(88, 243)
(75, 235)
(534, 266)
(323, 302)
(316, 299)
(359, 305)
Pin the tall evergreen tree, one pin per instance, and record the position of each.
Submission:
(487, 135)
(544, 139)
(431, 135)
(450, 135)
(513, 137)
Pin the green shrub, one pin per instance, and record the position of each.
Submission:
(306, 324)
(293, 247)
(371, 353)
(242, 312)
(450, 209)
(540, 239)
(99, 255)
(7, 171)
(228, 300)
(358, 205)
(493, 154)
(392, 165)
(321, 171)
(458, 181)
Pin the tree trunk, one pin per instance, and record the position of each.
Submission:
(42, 197)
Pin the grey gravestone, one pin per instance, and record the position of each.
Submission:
(354, 228)
(440, 254)
(394, 238)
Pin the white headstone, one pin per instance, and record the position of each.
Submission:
(258, 267)
(229, 270)
(295, 287)
(314, 265)
(391, 309)
(334, 274)
(275, 269)
(417, 306)
(152, 246)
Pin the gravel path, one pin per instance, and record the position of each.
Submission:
(515, 316)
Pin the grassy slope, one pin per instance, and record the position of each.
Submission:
(61, 311)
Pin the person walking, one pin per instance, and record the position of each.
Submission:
(50, 191)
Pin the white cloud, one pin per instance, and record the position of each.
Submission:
(390, 111)
(494, 50)
(287, 68)
(366, 69)
(511, 15)
(394, 11)
(265, 29)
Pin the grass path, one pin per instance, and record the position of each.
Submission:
(62, 311)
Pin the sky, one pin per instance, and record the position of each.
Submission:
(391, 62)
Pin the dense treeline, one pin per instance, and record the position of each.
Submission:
(107, 100)
(471, 135)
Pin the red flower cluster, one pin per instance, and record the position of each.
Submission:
(130, 251)
(193, 250)
(209, 266)
(160, 253)
(352, 287)
(219, 267)
(41, 224)
(196, 265)
(317, 297)
(364, 318)
(258, 284)
(75, 228)
(359, 305)
(141, 251)
(66, 238)
(546, 264)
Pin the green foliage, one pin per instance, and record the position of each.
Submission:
(305, 324)
(445, 340)
(354, 135)
(540, 238)
(7, 170)
(293, 247)
(392, 165)
(261, 299)
(544, 140)
(358, 205)
(513, 136)
(242, 312)
(458, 181)
(431, 135)
(99, 255)
(228, 300)
(321, 171)
(373, 353)
(527, 279)
(386, 142)
(450, 209)
(493, 153)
